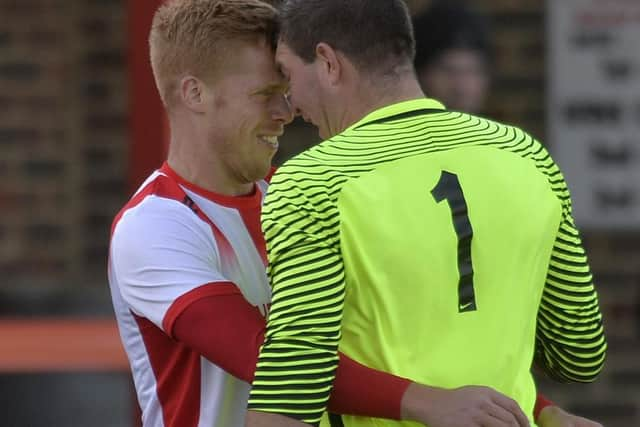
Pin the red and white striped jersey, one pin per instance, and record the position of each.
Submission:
(172, 244)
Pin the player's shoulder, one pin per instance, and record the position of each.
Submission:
(306, 170)
(158, 228)
(154, 217)
(159, 207)
(497, 126)
(476, 130)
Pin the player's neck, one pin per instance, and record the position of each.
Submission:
(192, 158)
(392, 90)
(370, 97)
(207, 175)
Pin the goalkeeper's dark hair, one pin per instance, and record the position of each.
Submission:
(376, 35)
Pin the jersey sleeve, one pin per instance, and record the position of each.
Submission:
(570, 340)
(298, 360)
(161, 251)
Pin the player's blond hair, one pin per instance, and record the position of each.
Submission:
(195, 37)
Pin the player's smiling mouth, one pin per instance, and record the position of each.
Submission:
(271, 140)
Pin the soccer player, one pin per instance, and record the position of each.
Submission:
(187, 256)
(432, 244)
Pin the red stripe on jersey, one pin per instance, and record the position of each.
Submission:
(229, 332)
(251, 219)
(179, 395)
(185, 300)
(359, 390)
(252, 199)
(541, 403)
(272, 171)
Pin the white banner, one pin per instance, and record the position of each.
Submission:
(594, 107)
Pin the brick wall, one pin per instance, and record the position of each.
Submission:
(517, 94)
(63, 119)
(62, 138)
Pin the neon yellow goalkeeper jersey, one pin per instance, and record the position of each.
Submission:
(431, 244)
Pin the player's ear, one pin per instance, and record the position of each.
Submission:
(192, 93)
(329, 63)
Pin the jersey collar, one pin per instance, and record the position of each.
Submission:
(399, 108)
(251, 200)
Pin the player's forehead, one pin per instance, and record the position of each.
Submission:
(267, 77)
(253, 67)
(264, 84)
(284, 56)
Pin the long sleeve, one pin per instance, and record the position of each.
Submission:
(228, 331)
(298, 360)
(570, 340)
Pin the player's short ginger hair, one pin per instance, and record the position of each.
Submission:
(195, 37)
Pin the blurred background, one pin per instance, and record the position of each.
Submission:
(81, 125)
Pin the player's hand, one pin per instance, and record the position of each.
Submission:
(469, 406)
(553, 416)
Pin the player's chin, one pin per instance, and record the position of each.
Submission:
(260, 171)
(323, 132)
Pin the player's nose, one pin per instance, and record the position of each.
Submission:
(283, 112)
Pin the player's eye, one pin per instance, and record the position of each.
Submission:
(265, 94)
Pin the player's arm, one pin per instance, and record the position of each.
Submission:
(216, 321)
(570, 340)
(223, 327)
(553, 416)
(548, 414)
(227, 330)
(297, 363)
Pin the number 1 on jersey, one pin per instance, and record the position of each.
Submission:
(448, 188)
